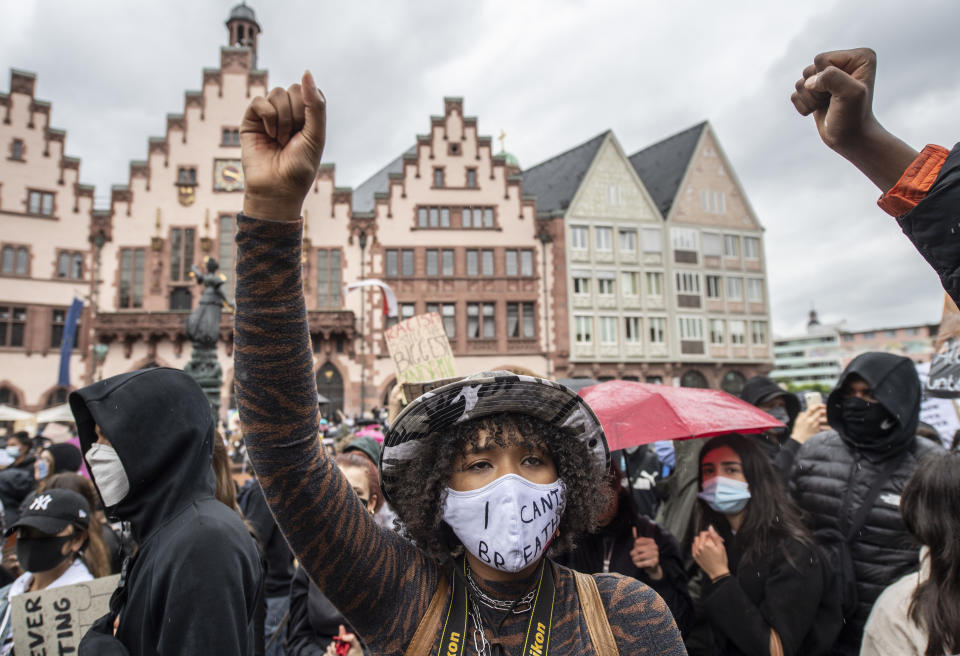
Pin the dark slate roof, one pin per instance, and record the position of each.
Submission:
(243, 12)
(363, 199)
(662, 165)
(555, 182)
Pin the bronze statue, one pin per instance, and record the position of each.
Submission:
(203, 324)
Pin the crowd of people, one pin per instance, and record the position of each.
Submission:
(489, 516)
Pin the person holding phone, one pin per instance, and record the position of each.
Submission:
(781, 444)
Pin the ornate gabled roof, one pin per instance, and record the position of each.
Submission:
(555, 182)
(364, 195)
(662, 165)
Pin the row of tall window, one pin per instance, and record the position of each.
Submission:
(605, 283)
(440, 178)
(15, 261)
(482, 319)
(13, 326)
(715, 244)
(688, 283)
(442, 262)
(445, 216)
(629, 330)
(650, 240)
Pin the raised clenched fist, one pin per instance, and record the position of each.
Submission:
(837, 88)
(281, 140)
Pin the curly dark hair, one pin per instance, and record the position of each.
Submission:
(420, 493)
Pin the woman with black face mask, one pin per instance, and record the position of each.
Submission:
(51, 534)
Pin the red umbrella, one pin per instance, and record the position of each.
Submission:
(639, 413)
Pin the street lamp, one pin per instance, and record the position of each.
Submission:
(363, 334)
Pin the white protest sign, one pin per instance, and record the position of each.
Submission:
(420, 349)
(938, 412)
(53, 621)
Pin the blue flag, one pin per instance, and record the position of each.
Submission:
(66, 346)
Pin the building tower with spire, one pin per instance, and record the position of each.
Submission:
(244, 29)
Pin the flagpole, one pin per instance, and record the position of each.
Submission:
(363, 333)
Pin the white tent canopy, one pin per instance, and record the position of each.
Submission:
(13, 414)
(56, 413)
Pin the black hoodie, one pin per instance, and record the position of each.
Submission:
(896, 386)
(833, 474)
(777, 446)
(196, 579)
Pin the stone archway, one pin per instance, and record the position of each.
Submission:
(330, 385)
(693, 378)
(732, 382)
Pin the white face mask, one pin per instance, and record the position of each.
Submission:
(108, 473)
(6, 459)
(508, 523)
(13, 451)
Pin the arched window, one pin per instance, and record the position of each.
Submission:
(9, 397)
(57, 397)
(694, 378)
(63, 265)
(23, 261)
(733, 382)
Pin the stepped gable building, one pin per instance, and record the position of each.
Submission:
(716, 286)
(179, 207)
(45, 254)
(454, 234)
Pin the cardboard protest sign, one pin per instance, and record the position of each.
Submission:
(944, 378)
(53, 621)
(420, 349)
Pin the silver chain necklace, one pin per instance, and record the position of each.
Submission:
(518, 607)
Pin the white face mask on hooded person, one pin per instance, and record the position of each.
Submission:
(508, 523)
(108, 473)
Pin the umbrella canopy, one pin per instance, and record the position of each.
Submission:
(639, 413)
(56, 413)
(13, 414)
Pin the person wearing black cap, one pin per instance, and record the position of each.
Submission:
(195, 582)
(781, 444)
(849, 480)
(51, 533)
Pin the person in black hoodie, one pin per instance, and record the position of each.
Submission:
(194, 584)
(629, 543)
(858, 470)
(780, 444)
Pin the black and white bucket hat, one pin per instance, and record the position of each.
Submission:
(479, 395)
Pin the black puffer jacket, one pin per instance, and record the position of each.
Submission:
(832, 476)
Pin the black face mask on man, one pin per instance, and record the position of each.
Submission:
(42, 554)
(866, 420)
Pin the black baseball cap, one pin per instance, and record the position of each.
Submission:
(53, 510)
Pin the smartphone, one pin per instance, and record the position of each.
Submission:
(812, 398)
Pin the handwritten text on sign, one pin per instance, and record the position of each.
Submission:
(53, 621)
(420, 349)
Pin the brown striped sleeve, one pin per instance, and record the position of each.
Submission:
(639, 618)
(380, 582)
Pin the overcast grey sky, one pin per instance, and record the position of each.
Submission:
(551, 73)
